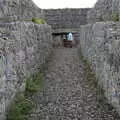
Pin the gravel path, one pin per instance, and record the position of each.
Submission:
(65, 95)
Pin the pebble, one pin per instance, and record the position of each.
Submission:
(67, 95)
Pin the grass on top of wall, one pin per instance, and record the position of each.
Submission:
(115, 17)
(38, 21)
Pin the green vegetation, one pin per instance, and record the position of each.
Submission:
(115, 17)
(22, 104)
(38, 21)
(20, 108)
(92, 81)
(34, 82)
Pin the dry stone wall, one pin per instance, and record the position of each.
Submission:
(24, 47)
(103, 10)
(66, 18)
(100, 43)
(19, 10)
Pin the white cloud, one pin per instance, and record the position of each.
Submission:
(64, 3)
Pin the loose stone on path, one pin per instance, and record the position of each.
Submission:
(66, 95)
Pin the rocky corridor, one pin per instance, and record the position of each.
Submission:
(65, 94)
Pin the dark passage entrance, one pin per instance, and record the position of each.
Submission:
(60, 39)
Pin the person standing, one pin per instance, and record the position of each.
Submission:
(64, 40)
(70, 37)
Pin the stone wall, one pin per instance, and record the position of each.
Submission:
(19, 10)
(100, 43)
(24, 47)
(103, 10)
(66, 18)
(64, 21)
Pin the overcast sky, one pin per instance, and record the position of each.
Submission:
(64, 3)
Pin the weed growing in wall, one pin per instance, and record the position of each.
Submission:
(38, 21)
(115, 17)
